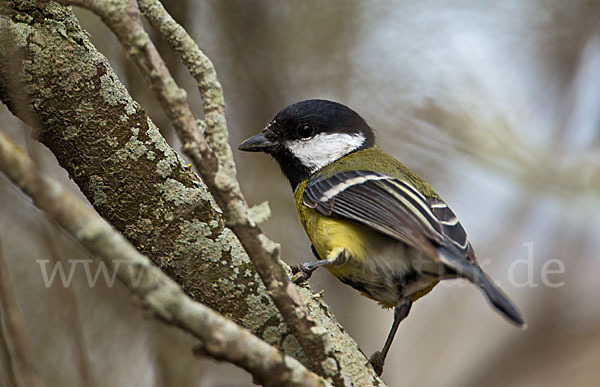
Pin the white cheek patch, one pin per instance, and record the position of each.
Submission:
(324, 148)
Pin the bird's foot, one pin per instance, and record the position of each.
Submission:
(377, 361)
(301, 273)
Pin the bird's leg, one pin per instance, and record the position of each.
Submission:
(303, 271)
(378, 358)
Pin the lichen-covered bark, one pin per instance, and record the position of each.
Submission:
(116, 155)
(122, 164)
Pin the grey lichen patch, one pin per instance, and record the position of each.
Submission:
(86, 111)
(238, 262)
(109, 7)
(87, 70)
(258, 313)
(164, 168)
(70, 132)
(131, 231)
(168, 216)
(157, 139)
(272, 335)
(59, 12)
(130, 108)
(170, 160)
(143, 209)
(195, 237)
(228, 286)
(96, 185)
(199, 227)
(318, 330)
(174, 92)
(57, 27)
(18, 32)
(225, 181)
(145, 226)
(330, 366)
(113, 92)
(113, 142)
(299, 312)
(218, 135)
(260, 213)
(23, 18)
(238, 254)
(270, 246)
(291, 345)
(175, 192)
(138, 41)
(133, 148)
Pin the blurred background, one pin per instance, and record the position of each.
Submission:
(496, 104)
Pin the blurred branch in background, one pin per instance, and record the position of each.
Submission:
(181, 11)
(21, 356)
(70, 311)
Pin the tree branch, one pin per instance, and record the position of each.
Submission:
(123, 18)
(116, 156)
(203, 71)
(221, 338)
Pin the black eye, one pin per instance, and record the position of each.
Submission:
(305, 131)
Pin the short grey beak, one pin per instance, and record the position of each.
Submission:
(258, 143)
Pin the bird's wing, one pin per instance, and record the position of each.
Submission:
(396, 208)
(391, 206)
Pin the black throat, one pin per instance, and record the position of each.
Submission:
(291, 167)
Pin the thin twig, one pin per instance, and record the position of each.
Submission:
(21, 356)
(221, 338)
(123, 18)
(202, 69)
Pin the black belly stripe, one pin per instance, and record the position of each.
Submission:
(405, 280)
(369, 290)
(360, 286)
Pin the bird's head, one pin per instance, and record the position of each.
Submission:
(308, 135)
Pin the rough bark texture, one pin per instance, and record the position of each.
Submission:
(122, 164)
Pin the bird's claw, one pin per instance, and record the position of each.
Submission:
(298, 278)
(300, 273)
(377, 361)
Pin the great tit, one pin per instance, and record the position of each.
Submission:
(373, 223)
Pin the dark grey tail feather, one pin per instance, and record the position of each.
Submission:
(500, 300)
(473, 273)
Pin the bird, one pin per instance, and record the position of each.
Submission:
(372, 222)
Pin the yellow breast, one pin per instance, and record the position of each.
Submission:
(328, 234)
